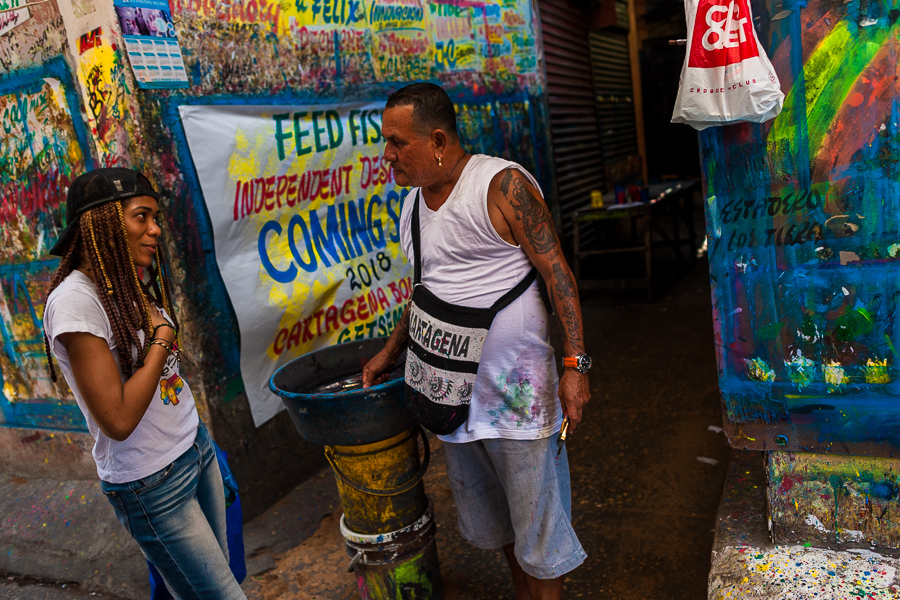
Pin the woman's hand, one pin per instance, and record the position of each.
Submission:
(157, 318)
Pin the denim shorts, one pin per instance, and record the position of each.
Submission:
(177, 517)
(516, 491)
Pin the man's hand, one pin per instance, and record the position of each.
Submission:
(574, 393)
(384, 360)
(375, 370)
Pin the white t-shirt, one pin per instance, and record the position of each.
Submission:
(466, 262)
(169, 426)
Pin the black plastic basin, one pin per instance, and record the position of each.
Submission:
(347, 418)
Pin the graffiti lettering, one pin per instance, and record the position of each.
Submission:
(384, 325)
(33, 195)
(380, 13)
(448, 28)
(332, 318)
(785, 235)
(739, 209)
(445, 57)
(339, 12)
(265, 194)
(90, 40)
(366, 271)
(254, 196)
(349, 227)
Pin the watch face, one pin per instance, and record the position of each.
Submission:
(584, 363)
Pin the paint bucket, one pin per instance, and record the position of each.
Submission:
(359, 416)
(381, 483)
(371, 442)
(398, 564)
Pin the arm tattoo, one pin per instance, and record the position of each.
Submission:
(538, 225)
(564, 285)
(504, 185)
(564, 301)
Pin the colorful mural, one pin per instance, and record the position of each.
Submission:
(324, 46)
(107, 96)
(803, 218)
(42, 148)
(330, 53)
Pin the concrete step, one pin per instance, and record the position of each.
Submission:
(747, 565)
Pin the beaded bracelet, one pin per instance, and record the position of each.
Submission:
(170, 348)
(169, 325)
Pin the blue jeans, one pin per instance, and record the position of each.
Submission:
(177, 517)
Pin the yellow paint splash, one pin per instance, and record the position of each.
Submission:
(877, 371)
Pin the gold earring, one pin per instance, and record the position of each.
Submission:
(439, 162)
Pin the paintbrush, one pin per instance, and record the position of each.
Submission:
(564, 430)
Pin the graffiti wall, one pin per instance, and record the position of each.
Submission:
(804, 232)
(43, 147)
(314, 237)
(256, 66)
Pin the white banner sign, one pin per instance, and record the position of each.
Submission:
(305, 214)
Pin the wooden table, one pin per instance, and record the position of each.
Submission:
(671, 204)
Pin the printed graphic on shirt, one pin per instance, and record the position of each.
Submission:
(170, 388)
(723, 34)
(171, 384)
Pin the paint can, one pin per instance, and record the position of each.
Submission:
(371, 442)
(397, 564)
(381, 483)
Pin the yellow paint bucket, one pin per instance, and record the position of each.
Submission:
(381, 483)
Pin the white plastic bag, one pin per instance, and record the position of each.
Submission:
(726, 76)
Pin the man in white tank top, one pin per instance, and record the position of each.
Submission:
(483, 226)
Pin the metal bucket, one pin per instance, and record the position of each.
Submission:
(381, 484)
(345, 418)
(398, 564)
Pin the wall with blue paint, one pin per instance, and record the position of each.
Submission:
(258, 52)
(804, 237)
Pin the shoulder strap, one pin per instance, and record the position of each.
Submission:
(501, 303)
(415, 240)
(507, 298)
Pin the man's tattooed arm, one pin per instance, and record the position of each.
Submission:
(535, 230)
(538, 225)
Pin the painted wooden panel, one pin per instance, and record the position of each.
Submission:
(803, 218)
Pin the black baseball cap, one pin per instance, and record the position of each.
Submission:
(99, 187)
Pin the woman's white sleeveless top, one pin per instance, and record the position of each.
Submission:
(466, 262)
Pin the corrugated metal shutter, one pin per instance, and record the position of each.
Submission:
(577, 153)
(614, 93)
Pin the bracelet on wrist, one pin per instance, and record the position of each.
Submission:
(164, 343)
(169, 325)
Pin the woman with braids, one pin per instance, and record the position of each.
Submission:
(109, 322)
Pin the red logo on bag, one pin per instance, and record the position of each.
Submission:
(723, 34)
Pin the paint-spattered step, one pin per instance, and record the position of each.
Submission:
(747, 565)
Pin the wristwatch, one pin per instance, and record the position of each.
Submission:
(581, 363)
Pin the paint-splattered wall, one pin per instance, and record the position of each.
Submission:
(256, 52)
(804, 231)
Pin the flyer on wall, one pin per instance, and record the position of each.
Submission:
(151, 44)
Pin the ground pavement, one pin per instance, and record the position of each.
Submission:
(648, 466)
